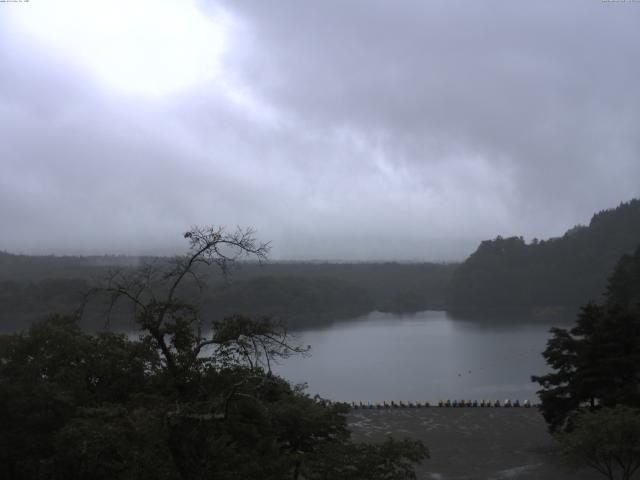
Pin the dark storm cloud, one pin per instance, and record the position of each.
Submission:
(545, 92)
(348, 130)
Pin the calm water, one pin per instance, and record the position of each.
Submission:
(420, 357)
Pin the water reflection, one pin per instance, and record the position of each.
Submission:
(422, 357)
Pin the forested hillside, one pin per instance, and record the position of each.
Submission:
(559, 272)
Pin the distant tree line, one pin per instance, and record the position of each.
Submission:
(503, 274)
(300, 294)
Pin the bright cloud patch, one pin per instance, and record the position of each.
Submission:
(151, 47)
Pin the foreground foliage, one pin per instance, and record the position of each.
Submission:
(607, 441)
(189, 399)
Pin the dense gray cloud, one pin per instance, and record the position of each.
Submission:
(350, 130)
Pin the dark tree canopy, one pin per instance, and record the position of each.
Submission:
(596, 363)
(192, 398)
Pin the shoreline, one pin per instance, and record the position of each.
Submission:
(471, 443)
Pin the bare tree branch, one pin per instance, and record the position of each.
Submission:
(174, 325)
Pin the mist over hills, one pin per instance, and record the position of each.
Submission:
(503, 274)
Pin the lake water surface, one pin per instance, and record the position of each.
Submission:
(425, 356)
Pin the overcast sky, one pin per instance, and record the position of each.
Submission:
(339, 129)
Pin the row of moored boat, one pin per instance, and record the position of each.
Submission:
(507, 403)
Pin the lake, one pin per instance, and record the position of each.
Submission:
(426, 356)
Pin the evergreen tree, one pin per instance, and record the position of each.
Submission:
(596, 363)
